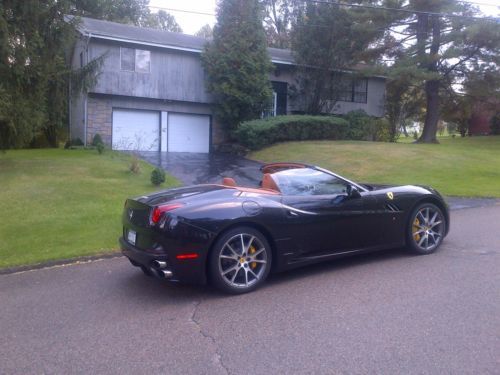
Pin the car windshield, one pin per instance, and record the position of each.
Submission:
(308, 181)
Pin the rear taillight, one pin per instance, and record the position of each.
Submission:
(158, 211)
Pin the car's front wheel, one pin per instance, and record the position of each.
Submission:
(427, 228)
(240, 260)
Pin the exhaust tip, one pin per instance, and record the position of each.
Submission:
(159, 264)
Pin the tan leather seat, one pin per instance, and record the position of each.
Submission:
(228, 181)
(269, 183)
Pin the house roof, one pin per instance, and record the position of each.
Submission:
(159, 38)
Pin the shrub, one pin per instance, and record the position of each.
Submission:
(495, 124)
(97, 140)
(134, 167)
(157, 176)
(361, 126)
(383, 131)
(257, 134)
(100, 148)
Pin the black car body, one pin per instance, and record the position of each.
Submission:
(303, 214)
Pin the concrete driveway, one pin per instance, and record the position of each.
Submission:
(193, 168)
(384, 313)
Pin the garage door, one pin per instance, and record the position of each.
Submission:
(188, 133)
(136, 130)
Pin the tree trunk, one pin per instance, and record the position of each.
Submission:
(432, 87)
(431, 114)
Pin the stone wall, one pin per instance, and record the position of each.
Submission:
(99, 119)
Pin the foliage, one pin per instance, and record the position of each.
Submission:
(445, 49)
(34, 43)
(360, 125)
(278, 17)
(205, 31)
(123, 11)
(495, 124)
(97, 140)
(327, 41)
(257, 134)
(157, 176)
(78, 198)
(404, 98)
(467, 166)
(237, 64)
(100, 147)
(135, 165)
(160, 20)
(458, 110)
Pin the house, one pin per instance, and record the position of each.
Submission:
(150, 93)
(482, 113)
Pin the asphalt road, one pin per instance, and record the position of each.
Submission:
(386, 313)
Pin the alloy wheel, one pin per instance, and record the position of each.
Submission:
(428, 228)
(243, 260)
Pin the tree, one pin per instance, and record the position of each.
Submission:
(327, 41)
(458, 110)
(205, 31)
(237, 64)
(278, 18)
(34, 45)
(404, 100)
(446, 44)
(123, 11)
(160, 20)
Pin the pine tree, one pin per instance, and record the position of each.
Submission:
(444, 42)
(328, 40)
(237, 63)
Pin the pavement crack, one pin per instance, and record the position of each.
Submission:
(197, 323)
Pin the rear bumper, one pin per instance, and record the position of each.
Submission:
(189, 271)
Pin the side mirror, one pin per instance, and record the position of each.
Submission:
(352, 191)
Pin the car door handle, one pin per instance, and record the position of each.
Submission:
(292, 213)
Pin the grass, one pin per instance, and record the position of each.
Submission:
(58, 204)
(457, 166)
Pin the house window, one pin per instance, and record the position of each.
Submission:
(135, 60)
(354, 90)
(81, 59)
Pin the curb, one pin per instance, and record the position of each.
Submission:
(60, 262)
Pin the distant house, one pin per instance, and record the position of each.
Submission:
(482, 112)
(151, 95)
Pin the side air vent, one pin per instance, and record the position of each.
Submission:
(392, 207)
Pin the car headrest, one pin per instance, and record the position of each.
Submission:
(228, 181)
(269, 183)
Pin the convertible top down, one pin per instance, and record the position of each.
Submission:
(235, 236)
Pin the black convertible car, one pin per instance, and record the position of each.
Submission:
(235, 236)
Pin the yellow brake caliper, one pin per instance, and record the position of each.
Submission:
(416, 225)
(252, 250)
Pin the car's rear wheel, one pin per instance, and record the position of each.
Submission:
(240, 260)
(426, 229)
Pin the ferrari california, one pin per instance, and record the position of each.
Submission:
(233, 236)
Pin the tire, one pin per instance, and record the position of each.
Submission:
(426, 229)
(240, 261)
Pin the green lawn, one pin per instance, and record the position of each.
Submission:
(58, 204)
(457, 166)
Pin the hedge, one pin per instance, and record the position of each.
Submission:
(257, 134)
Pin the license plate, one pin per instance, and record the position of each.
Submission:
(131, 236)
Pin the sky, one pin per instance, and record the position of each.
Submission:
(190, 22)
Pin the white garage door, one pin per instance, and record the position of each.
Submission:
(136, 130)
(188, 133)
